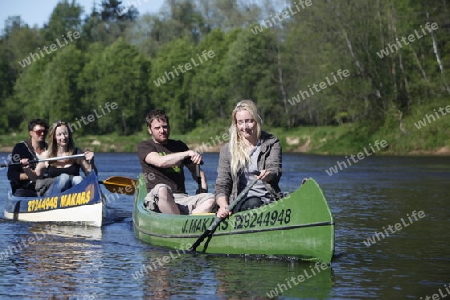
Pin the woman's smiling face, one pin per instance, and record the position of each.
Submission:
(62, 135)
(246, 124)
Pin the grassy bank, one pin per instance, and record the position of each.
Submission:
(425, 131)
(404, 136)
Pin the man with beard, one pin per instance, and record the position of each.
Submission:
(162, 161)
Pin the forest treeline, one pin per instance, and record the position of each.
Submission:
(305, 63)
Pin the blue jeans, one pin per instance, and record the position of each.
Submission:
(62, 182)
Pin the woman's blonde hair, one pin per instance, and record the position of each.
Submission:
(53, 145)
(239, 154)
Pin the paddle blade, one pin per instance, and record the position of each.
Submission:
(120, 185)
(208, 232)
(217, 220)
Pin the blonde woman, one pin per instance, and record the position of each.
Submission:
(250, 149)
(57, 176)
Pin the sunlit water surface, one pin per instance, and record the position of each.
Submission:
(68, 262)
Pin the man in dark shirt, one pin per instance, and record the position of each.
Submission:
(19, 176)
(162, 161)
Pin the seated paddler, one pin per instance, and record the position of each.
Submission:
(162, 160)
(56, 176)
(250, 151)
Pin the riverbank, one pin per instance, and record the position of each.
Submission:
(346, 139)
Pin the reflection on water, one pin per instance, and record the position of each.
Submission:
(203, 276)
(249, 278)
(57, 263)
(374, 196)
(101, 263)
(82, 233)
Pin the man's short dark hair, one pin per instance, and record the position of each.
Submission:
(35, 122)
(156, 114)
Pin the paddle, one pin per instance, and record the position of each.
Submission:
(199, 181)
(217, 220)
(120, 185)
(45, 159)
(114, 184)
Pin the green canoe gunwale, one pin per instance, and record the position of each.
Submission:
(300, 225)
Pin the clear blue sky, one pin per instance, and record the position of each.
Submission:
(38, 12)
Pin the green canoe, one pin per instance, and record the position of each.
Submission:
(299, 225)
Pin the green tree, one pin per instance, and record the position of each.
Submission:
(250, 66)
(108, 22)
(60, 96)
(183, 20)
(65, 17)
(7, 79)
(148, 33)
(229, 14)
(119, 74)
(19, 42)
(113, 11)
(27, 90)
(170, 81)
(210, 90)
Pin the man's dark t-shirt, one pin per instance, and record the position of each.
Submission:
(174, 176)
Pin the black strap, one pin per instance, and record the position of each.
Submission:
(31, 150)
(271, 191)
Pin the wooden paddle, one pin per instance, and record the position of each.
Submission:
(45, 159)
(217, 221)
(120, 185)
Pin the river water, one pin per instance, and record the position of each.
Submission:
(399, 203)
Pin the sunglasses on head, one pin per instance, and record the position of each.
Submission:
(59, 123)
(40, 131)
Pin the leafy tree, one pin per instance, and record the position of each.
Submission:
(249, 66)
(229, 14)
(60, 96)
(27, 90)
(19, 42)
(271, 67)
(12, 24)
(109, 22)
(7, 79)
(170, 81)
(118, 75)
(148, 33)
(182, 20)
(113, 11)
(65, 17)
(210, 89)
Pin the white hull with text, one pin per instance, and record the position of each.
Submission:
(80, 205)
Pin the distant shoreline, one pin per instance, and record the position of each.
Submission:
(442, 151)
(343, 140)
